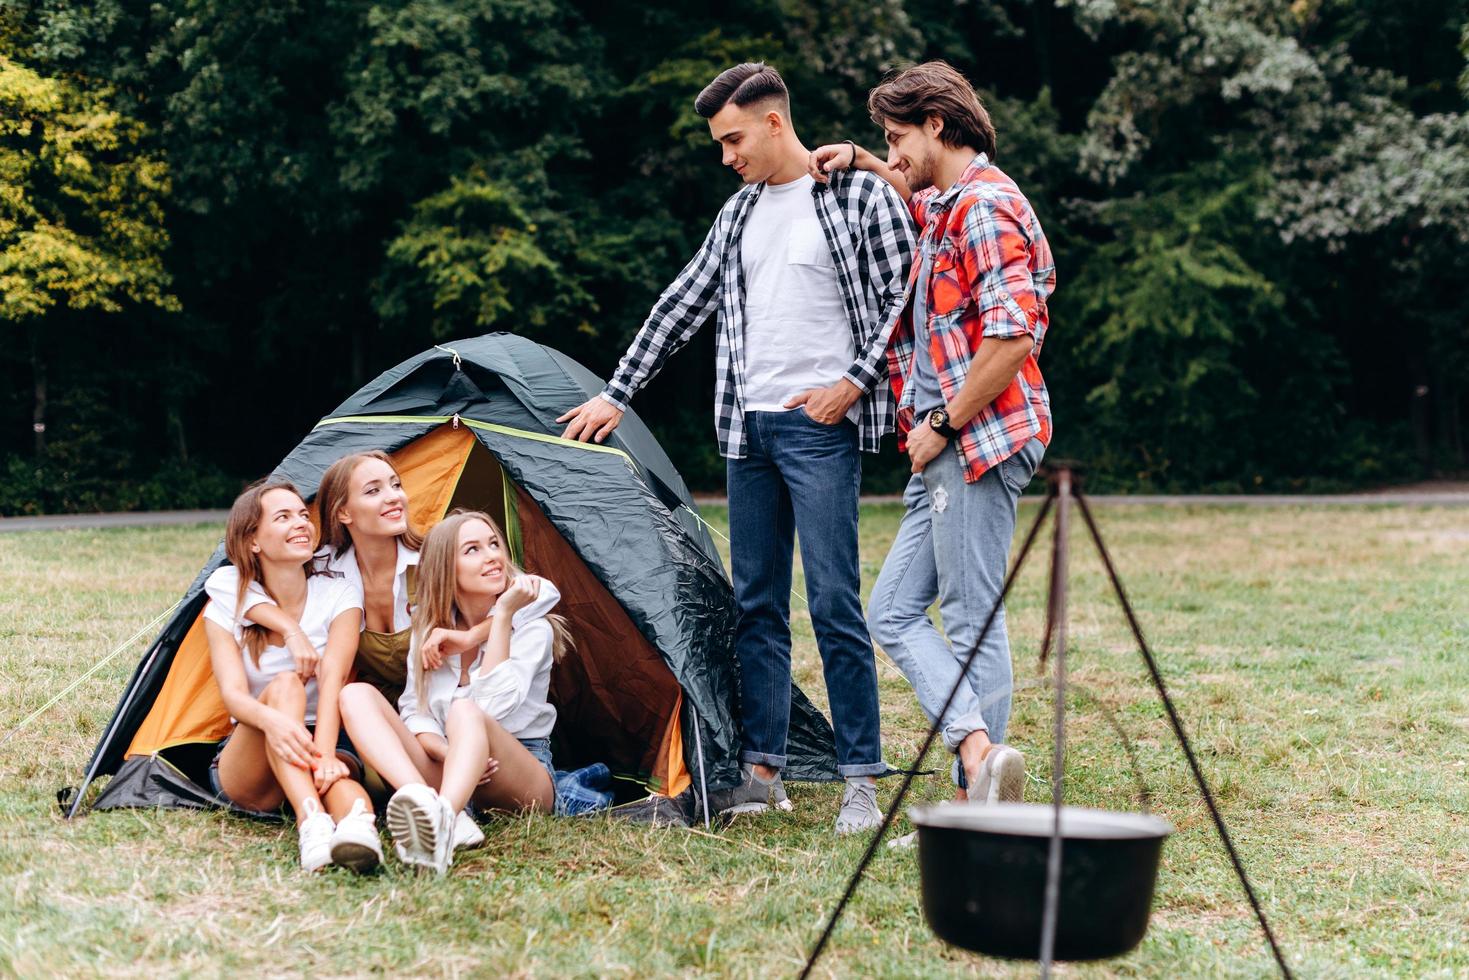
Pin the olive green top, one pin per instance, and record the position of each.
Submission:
(382, 658)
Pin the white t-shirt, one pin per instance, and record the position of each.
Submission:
(327, 598)
(796, 331)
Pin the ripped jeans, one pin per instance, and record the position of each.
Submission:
(953, 545)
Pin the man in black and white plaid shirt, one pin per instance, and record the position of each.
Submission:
(807, 281)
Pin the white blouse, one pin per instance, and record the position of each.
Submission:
(345, 566)
(513, 692)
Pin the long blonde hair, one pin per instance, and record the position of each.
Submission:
(244, 521)
(336, 487)
(438, 584)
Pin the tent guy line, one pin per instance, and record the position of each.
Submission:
(90, 673)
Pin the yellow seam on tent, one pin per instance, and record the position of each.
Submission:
(487, 426)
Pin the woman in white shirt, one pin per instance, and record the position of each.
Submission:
(459, 710)
(285, 745)
(369, 541)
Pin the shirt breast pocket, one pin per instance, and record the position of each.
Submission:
(948, 289)
(807, 244)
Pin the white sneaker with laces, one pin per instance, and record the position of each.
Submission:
(466, 832)
(422, 825)
(315, 835)
(355, 843)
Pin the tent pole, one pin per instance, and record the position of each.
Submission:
(699, 749)
(109, 733)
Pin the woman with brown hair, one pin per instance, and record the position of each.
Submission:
(459, 710)
(286, 744)
(370, 543)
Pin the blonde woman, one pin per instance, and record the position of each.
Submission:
(461, 709)
(369, 541)
(286, 744)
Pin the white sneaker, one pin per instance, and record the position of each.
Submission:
(315, 833)
(466, 832)
(1001, 777)
(355, 843)
(422, 825)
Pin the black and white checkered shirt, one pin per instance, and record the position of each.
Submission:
(869, 231)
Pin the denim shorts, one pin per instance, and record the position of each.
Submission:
(541, 749)
(345, 750)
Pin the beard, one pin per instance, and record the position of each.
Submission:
(920, 174)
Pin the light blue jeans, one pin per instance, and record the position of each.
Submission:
(954, 546)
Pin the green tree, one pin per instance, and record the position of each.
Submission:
(81, 216)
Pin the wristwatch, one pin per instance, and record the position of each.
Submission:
(938, 421)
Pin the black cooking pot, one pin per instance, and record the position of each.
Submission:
(984, 877)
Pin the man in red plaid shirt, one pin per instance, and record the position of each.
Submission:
(974, 416)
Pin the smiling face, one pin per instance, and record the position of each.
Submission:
(913, 151)
(748, 138)
(376, 504)
(285, 533)
(481, 564)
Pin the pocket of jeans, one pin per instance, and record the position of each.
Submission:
(1018, 470)
(801, 411)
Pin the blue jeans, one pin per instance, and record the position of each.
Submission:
(953, 545)
(800, 476)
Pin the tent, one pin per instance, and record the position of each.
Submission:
(652, 687)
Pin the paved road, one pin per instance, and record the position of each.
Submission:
(1444, 498)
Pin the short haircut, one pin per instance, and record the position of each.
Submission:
(746, 84)
(935, 88)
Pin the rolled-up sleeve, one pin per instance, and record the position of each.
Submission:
(998, 265)
(502, 689)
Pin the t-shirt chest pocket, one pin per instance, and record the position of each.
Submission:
(806, 244)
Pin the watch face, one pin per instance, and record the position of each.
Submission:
(937, 419)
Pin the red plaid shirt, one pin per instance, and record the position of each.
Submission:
(992, 274)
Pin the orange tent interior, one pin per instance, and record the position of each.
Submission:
(617, 702)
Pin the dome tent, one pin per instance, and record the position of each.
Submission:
(652, 687)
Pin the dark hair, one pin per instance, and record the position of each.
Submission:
(935, 88)
(754, 81)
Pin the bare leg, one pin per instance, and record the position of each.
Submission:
(383, 741)
(286, 694)
(971, 755)
(469, 753)
(244, 771)
(521, 783)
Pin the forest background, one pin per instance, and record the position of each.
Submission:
(217, 219)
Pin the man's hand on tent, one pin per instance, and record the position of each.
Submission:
(593, 420)
(305, 655)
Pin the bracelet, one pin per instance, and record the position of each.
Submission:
(287, 637)
(852, 162)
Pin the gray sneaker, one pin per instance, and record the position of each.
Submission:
(859, 808)
(750, 795)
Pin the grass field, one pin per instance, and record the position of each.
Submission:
(1318, 656)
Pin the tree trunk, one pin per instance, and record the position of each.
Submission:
(38, 375)
(1420, 398)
